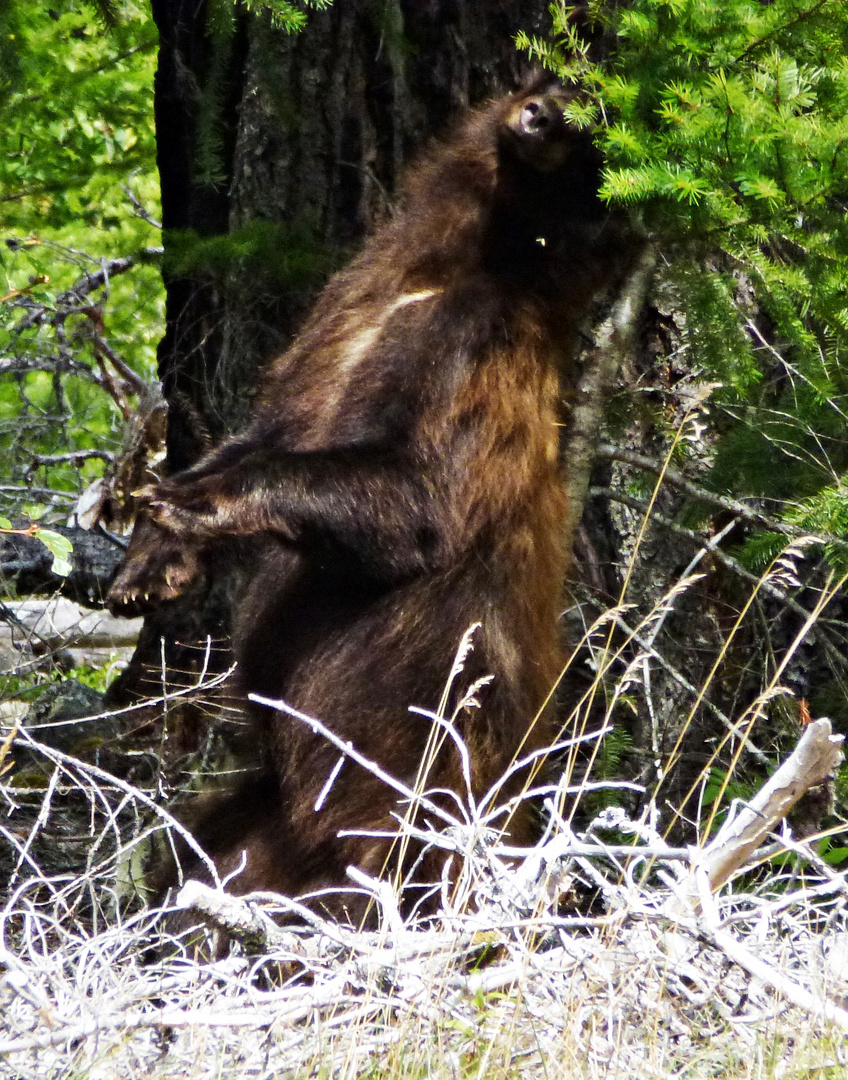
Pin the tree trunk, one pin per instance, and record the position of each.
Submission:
(292, 145)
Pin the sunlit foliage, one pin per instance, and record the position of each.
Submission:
(725, 128)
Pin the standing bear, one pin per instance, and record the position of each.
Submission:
(399, 481)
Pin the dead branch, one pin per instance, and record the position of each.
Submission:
(611, 343)
(73, 457)
(681, 680)
(59, 622)
(236, 917)
(407, 984)
(94, 559)
(71, 298)
(608, 452)
(814, 1004)
(816, 757)
(835, 654)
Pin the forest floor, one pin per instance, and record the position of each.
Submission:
(599, 953)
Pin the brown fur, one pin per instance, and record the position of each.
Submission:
(398, 482)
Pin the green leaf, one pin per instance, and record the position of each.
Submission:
(836, 856)
(61, 547)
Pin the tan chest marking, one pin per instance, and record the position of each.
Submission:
(352, 350)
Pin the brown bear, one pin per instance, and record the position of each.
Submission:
(399, 481)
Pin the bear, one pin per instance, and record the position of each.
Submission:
(399, 482)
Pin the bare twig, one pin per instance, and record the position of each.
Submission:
(73, 457)
(835, 654)
(723, 502)
(75, 296)
(140, 209)
(681, 680)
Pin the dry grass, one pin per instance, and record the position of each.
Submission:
(602, 952)
(502, 984)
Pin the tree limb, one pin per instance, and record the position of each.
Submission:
(816, 757)
(612, 340)
(94, 559)
(678, 480)
(71, 298)
(834, 653)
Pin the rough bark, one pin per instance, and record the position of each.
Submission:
(188, 353)
(326, 122)
(26, 565)
(314, 131)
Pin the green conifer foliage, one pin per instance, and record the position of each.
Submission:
(725, 128)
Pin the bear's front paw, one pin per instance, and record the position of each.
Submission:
(157, 568)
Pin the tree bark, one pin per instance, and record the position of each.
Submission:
(26, 564)
(189, 71)
(310, 132)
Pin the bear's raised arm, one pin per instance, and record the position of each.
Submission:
(373, 504)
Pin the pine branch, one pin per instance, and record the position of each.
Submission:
(610, 452)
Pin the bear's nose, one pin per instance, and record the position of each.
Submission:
(537, 115)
